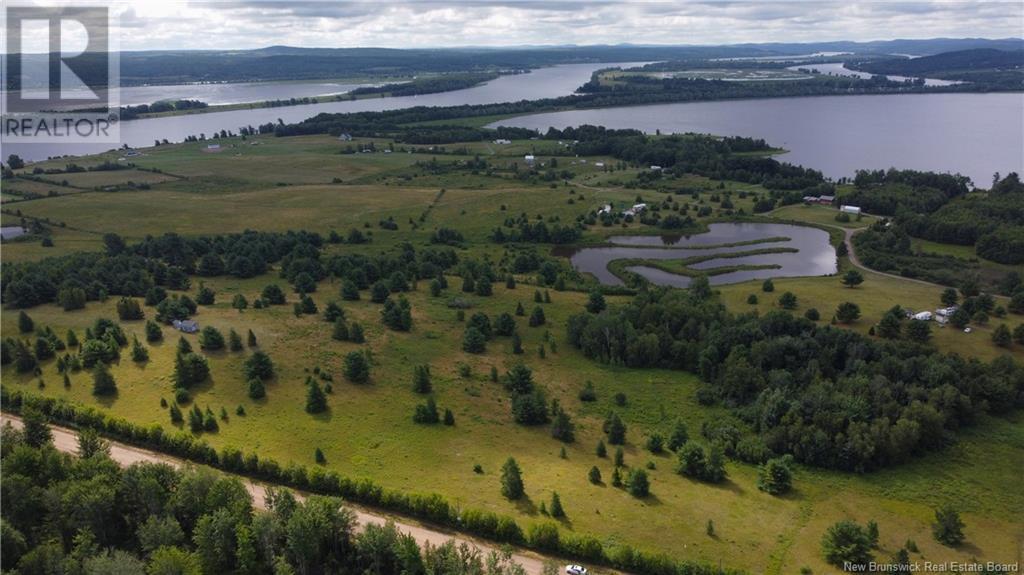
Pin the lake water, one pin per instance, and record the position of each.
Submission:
(973, 134)
(815, 256)
(549, 82)
(220, 94)
(838, 69)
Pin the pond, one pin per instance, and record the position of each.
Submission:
(813, 255)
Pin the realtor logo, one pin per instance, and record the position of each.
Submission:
(60, 75)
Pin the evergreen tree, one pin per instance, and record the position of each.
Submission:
(103, 383)
(357, 369)
(562, 428)
(537, 317)
(519, 309)
(355, 333)
(210, 339)
(517, 344)
(852, 279)
(139, 352)
(340, 331)
(473, 341)
(595, 302)
(183, 346)
(256, 388)
(316, 401)
(948, 527)
(1001, 336)
(449, 417)
(72, 339)
(258, 366)
(239, 302)
(176, 417)
(426, 413)
(555, 509)
(919, 331)
(251, 339)
(349, 291)
(615, 429)
(153, 332)
(234, 341)
(512, 480)
(775, 476)
(679, 436)
(25, 323)
(421, 379)
(318, 455)
(333, 312)
(601, 450)
(594, 475)
(637, 483)
(768, 286)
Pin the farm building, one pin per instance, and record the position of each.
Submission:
(826, 200)
(636, 209)
(855, 210)
(345, 137)
(502, 141)
(529, 159)
(923, 316)
(186, 326)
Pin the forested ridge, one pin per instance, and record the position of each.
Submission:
(830, 397)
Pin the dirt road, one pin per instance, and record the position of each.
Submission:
(66, 440)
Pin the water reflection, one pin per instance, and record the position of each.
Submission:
(808, 252)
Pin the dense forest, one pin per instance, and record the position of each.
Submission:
(149, 268)
(993, 221)
(87, 515)
(428, 85)
(830, 397)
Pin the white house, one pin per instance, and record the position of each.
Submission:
(855, 210)
(345, 137)
(598, 164)
(529, 159)
(607, 209)
(636, 209)
(656, 168)
(502, 141)
(213, 146)
(923, 316)
(946, 311)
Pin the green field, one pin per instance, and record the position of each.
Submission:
(368, 429)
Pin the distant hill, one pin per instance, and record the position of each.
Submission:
(292, 63)
(962, 60)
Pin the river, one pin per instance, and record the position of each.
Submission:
(973, 134)
(549, 82)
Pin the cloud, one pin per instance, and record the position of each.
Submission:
(242, 24)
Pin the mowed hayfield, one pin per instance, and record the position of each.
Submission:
(289, 184)
(368, 432)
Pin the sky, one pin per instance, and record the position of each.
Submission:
(244, 24)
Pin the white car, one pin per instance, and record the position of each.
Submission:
(967, 330)
(576, 570)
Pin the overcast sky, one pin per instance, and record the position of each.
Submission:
(240, 24)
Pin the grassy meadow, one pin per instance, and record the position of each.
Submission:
(304, 183)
